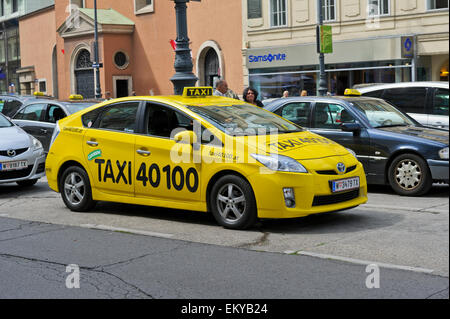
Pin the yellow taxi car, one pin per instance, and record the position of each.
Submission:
(203, 153)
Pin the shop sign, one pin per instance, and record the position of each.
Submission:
(407, 47)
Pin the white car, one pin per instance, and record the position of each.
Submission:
(22, 157)
(426, 102)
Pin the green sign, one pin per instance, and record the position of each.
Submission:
(94, 154)
(326, 39)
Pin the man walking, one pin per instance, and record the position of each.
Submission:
(223, 90)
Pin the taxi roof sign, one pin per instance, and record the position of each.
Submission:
(352, 92)
(38, 93)
(75, 97)
(197, 91)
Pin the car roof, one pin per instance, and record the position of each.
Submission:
(326, 99)
(378, 86)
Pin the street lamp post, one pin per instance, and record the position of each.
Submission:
(183, 61)
(96, 64)
(322, 76)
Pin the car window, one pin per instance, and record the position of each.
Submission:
(329, 115)
(381, 114)
(31, 112)
(10, 106)
(440, 105)
(4, 122)
(376, 93)
(162, 121)
(54, 113)
(244, 119)
(119, 117)
(297, 112)
(407, 99)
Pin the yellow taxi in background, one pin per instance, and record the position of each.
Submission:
(203, 153)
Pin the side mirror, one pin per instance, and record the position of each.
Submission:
(185, 137)
(351, 127)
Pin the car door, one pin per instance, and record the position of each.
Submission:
(163, 172)
(30, 118)
(327, 119)
(108, 146)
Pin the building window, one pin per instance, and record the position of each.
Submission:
(143, 6)
(43, 86)
(78, 3)
(14, 6)
(121, 60)
(2, 8)
(378, 7)
(329, 10)
(254, 9)
(437, 4)
(278, 13)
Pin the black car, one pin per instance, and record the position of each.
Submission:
(393, 147)
(9, 104)
(38, 117)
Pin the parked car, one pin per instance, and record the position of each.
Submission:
(427, 102)
(22, 157)
(9, 104)
(393, 147)
(39, 116)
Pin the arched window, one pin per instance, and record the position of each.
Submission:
(211, 67)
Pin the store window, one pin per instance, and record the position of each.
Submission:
(378, 7)
(437, 4)
(278, 13)
(143, 6)
(329, 10)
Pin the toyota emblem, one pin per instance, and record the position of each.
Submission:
(341, 168)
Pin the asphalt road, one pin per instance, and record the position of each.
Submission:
(127, 251)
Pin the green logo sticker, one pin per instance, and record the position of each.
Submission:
(94, 154)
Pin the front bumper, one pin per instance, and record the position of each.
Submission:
(439, 170)
(312, 194)
(35, 169)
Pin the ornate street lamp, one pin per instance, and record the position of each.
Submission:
(183, 61)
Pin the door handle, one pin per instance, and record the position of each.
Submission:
(92, 143)
(143, 153)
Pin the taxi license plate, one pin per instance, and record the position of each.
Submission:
(7, 166)
(344, 184)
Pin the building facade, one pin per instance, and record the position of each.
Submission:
(373, 41)
(134, 46)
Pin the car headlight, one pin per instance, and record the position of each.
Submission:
(351, 152)
(37, 145)
(443, 153)
(280, 163)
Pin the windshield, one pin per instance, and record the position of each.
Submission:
(75, 107)
(4, 122)
(381, 114)
(244, 119)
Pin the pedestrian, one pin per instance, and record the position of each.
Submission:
(286, 93)
(250, 95)
(304, 93)
(223, 90)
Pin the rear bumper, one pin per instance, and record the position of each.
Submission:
(439, 170)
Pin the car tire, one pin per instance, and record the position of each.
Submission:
(409, 175)
(27, 183)
(233, 203)
(75, 189)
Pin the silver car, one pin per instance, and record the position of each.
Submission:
(426, 102)
(22, 157)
